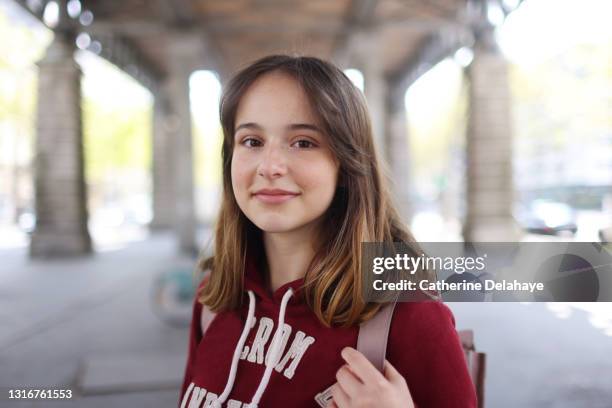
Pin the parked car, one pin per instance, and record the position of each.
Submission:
(547, 217)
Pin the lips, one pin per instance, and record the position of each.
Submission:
(274, 196)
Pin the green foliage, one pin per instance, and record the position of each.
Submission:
(115, 138)
(20, 48)
(565, 97)
(437, 122)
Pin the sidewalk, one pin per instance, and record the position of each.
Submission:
(542, 355)
(87, 325)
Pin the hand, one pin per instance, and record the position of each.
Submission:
(360, 384)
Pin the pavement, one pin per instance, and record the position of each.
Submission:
(543, 355)
(87, 325)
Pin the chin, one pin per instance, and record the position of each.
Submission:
(276, 224)
(275, 227)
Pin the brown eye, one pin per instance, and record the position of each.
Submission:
(304, 144)
(250, 142)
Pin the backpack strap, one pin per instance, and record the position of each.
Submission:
(373, 334)
(206, 317)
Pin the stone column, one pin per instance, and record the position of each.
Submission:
(398, 153)
(490, 190)
(182, 65)
(60, 193)
(365, 50)
(163, 165)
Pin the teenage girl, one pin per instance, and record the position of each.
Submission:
(302, 189)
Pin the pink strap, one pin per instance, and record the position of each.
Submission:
(373, 334)
(206, 317)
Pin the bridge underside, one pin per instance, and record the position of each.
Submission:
(160, 43)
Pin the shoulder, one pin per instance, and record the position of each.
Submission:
(422, 336)
(425, 348)
(426, 320)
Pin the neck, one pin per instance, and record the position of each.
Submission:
(288, 255)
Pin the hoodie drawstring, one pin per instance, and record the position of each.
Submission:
(272, 360)
(275, 356)
(239, 346)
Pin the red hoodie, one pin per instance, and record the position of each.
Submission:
(422, 345)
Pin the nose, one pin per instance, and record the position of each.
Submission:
(273, 162)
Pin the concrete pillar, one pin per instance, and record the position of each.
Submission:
(60, 194)
(398, 153)
(163, 165)
(182, 65)
(365, 57)
(490, 190)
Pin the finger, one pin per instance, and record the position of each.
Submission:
(331, 404)
(392, 374)
(349, 381)
(361, 366)
(341, 398)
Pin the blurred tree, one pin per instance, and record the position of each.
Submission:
(115, 138)
(19, 47)
(567, 96)
(436, 111)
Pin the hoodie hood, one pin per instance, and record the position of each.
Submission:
(288, 295)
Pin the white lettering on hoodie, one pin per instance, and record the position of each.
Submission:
(197, 398)
(255, 354)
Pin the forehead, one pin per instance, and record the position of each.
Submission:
(275, 98)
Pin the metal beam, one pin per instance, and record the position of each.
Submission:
(123, 53)
(177, 13)
(115, 48)
(360, 16)
(434, 49)
(180, 15)
(148, 27)
(427, 25)
(442, 44)
(134, 28)
(36, 12)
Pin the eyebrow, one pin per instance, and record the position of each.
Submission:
(293, 126)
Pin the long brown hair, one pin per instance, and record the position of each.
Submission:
(361, 210)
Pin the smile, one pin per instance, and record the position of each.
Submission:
(274, 198)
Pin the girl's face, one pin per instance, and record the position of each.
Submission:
(283, 171)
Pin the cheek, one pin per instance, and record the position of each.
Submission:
(240, 175)
(321, 178)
